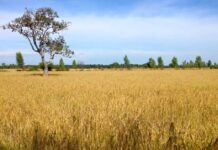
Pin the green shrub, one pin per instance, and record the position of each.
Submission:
(50, 66)
(35, 68)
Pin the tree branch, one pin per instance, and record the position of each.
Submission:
(46, 32)
(31, 44)
(34, 42)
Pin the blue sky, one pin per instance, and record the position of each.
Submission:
(103, 31)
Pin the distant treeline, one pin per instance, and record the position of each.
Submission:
(152, 63)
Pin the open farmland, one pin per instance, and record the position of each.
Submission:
(110, 109)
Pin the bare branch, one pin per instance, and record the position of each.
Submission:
(31, 44)
(35, 43)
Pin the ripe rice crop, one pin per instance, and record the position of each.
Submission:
(110, 109)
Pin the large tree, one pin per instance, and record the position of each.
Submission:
(41, 28)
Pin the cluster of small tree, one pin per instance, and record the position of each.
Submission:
(61, 66)
(152, 63)
(6, 66)
(198, 63)
(19, 60)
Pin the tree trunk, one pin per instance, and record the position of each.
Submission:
(45, 69)
(45, 66)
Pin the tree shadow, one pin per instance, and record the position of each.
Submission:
(41, 74)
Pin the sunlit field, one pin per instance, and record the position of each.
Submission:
(109, 109)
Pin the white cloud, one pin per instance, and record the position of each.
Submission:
(181, 36)
(170, 29)
(131, 28)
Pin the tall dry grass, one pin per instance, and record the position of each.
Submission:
(136, 109)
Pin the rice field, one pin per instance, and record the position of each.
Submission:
(109, 109)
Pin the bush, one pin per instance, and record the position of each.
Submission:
(34, 68)
(62, 69)
(50, 66)
(151, 63)
(115, 65)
